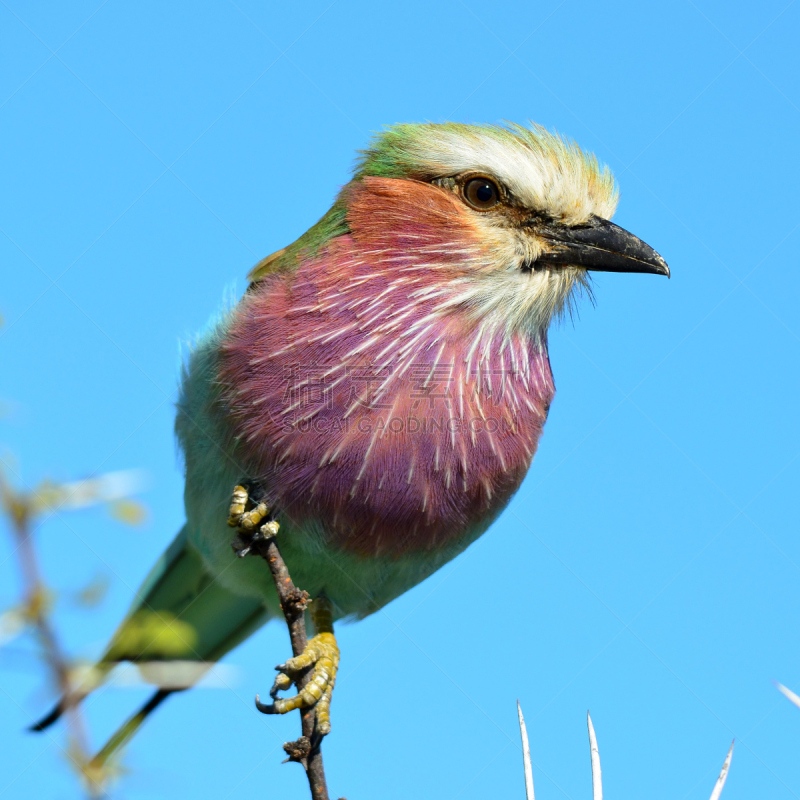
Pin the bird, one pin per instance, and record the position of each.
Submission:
(377, 395)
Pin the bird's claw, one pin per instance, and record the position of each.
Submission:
(251, 520)
(322, 655)
(281, 684)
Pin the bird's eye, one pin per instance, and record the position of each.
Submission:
(481, 193)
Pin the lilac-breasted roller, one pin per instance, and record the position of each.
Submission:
(379, 392)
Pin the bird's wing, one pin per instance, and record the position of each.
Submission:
(332, 225)
(265, 266)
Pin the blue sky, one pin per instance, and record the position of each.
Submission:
(648, 568)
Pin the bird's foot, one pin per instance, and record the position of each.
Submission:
(321, 655)
(252, 520)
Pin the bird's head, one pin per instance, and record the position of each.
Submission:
(540, 204)
(524, 211)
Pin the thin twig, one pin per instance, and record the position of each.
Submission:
(293, 601)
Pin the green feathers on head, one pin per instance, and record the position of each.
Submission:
(411, 149)
(541, 169)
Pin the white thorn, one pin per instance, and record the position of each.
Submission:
(723, 774)
(597, 777)
(526, 755)
(788, 693)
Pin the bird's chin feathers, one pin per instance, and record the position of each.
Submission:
(522, 301)
(510, 286)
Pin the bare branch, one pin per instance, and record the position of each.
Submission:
(20, 509)
(306, 750)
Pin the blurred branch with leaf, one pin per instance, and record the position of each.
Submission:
(25, 511)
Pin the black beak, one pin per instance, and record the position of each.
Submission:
(598, 245)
